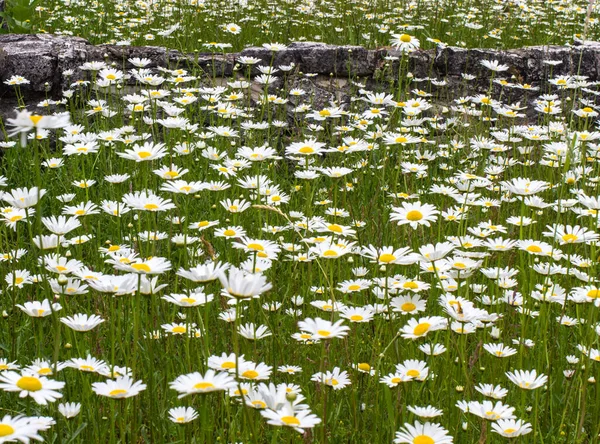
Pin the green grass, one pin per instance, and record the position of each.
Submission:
(473, 156)
(483, 23)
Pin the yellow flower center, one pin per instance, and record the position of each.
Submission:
(35, 119)
(421, 329)
(364, 367)
(250, 374)
(405, 38)
(259, 404)
(408, 306)
(492, 415)
(330, 253)
(413, 373)
(19, 280)
(188, 300)
(117, 392)
(387, 258)
(354, 287)
(325, 113)
(290, 420)
(228, 365)
(6, 430)
(323, 333)
(509, 431)
(335, 228)
(414, 215)
(141, 267)
(179, 329)
(29, 383)
(410, 285)
(151, 207)
(356, 318)
(204, 386)
(255, 247)
(534, 249)
(401, 139)
(423, 439)
(569, 238)
(396, 380)
(144, 154)
(595, 293)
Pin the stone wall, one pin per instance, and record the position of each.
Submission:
(43, 59)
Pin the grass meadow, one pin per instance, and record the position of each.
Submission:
(193, 261)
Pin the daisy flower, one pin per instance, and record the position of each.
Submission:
(19, 428)
(194, 299)
(414, 369)
(425, 412)
(488, 410)
(389, 255)
(25, 121)
(88, 364)
(82, 322)
(147, 201)
(182, 415)
(38, 309)
(322, 329)
(225, 362)
(252, 332)
(209, 271)
(511, 428)
(289, 369)
(499, 350)
(146, 152)
(418, 328)
(41, 389)
(197, 383)
(239, 284)
(528, 380)
(414, 214)
(428, 433)
(288, 417)
(254, 372)
(405, 42)
(491, 391)
(122, 387)
(69, 409)
(408, 304)
(336, 379)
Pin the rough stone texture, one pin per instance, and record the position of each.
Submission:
(42, 59)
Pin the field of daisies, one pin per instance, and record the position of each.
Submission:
(218, 261)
